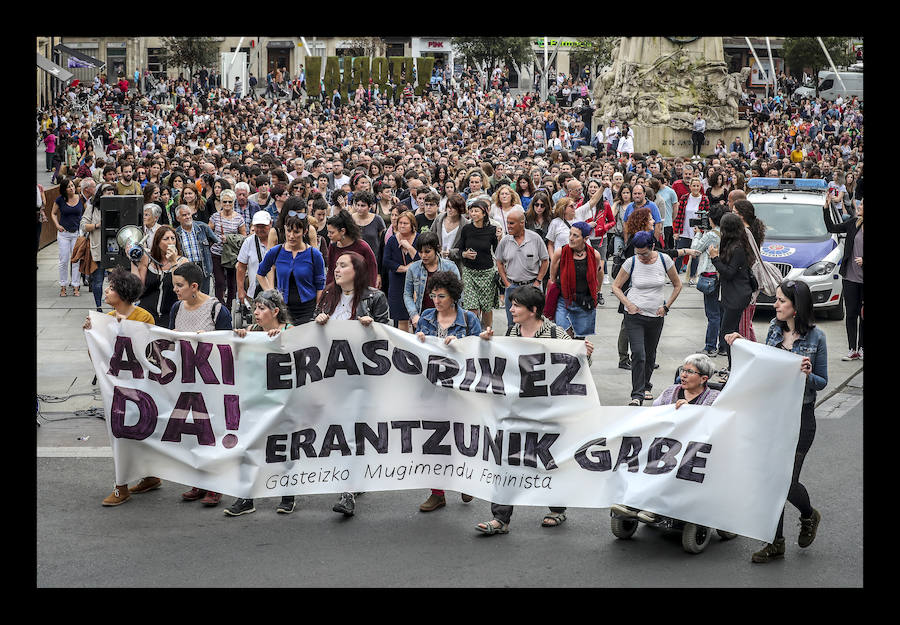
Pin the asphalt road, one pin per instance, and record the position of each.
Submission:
(157, 540)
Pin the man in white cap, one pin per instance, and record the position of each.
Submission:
(251, 254)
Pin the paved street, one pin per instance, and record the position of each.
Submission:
(390, 543)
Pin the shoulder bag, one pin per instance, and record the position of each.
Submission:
(766, 274)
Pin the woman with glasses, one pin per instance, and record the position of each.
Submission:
(224, 222)
(793, 329)
(690, 388)
(299, 270)
(448, 321)
(270, 313)
(527, 305)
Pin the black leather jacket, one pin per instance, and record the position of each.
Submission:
(374, 304)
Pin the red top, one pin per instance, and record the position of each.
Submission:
(567, 273)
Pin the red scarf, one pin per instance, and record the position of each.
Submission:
(567, 273)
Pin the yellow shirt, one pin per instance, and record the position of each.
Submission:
(138, 314)
(797, 156)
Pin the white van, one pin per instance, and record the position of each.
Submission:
(830, 87)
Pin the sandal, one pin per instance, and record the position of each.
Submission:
(635, 402)
(62, 292)
(489, 528)
(554, 519)
(75, 292)
(648, 396)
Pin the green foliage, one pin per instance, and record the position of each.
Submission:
(379, 72)
(191, 52)
(424, 67)
(332, 76)
(313, 75)
(492, 51)
(598, 55)
(803, 52)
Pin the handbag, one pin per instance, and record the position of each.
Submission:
(551, 300)
(708, 284)
(767, 276)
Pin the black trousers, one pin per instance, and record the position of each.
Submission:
(798, 495)
(697, 139)
(643, 337)
(729, 321)
(853, 301)
(504, 513)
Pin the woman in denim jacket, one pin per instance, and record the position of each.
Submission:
(448, 321)
(414, 298)
(793, 329)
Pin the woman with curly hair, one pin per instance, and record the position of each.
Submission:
(122, 291)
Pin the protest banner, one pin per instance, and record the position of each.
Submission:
(342, 407)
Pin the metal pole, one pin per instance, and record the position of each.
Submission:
(758, 64)
(772, 65)
(544, 86)
(831, 63)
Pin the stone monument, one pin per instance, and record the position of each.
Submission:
(658, 84)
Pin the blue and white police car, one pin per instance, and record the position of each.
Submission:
(796, 240)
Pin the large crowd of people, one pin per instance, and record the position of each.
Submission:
(430, 212)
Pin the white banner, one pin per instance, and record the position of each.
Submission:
(341, 407)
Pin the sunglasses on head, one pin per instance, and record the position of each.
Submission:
(296, 214)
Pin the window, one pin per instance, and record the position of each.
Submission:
(827, 84)
(156, 62)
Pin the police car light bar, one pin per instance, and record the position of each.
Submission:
(800, 184)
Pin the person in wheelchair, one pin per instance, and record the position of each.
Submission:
(690, 388)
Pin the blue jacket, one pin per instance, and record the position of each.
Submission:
(416, 278)
(205, 238)
(466, 323)
(306, 269)
(813, 346)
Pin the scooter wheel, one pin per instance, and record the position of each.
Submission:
(623, 528)
(694, 538)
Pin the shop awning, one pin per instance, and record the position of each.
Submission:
(79, 59)
(280, 44)
(53, 69)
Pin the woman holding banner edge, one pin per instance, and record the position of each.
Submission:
(793, 329)
(527, 305)
(349, 296)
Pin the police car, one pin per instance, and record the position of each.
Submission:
(796, 240)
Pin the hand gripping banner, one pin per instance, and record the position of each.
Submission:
(341, 407)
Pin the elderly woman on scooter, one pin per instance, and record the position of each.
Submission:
(690, 388)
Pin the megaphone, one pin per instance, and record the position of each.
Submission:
(132, 239)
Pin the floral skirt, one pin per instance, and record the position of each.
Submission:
(480, 289)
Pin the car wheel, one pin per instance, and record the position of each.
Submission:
(621, 527)
(836, 313)
(694, 538)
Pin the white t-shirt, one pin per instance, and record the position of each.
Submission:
(690, 212)
(448, 236)
(647, 282)
(341, 181)
(249, 257)
(344, 309)
(558, 233)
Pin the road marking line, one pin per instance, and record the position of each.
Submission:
(74, 452)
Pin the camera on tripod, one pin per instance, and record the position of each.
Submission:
(701, 222)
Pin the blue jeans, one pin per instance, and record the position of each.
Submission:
(574, 316)
(713, 316)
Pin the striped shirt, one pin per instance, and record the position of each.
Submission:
(190, 246)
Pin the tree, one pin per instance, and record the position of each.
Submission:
(191, 52)
(492, 51)
(802, 52)
(595, 56)
(371, 46)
